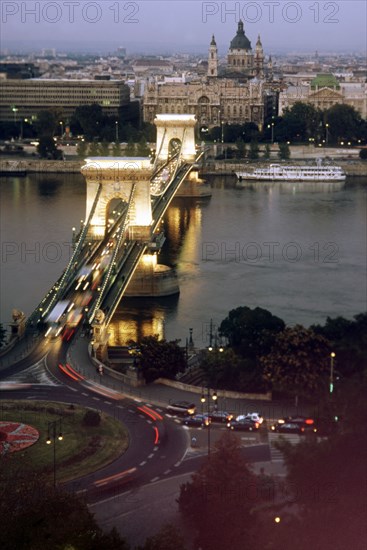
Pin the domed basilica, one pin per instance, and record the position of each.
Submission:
(233, 94)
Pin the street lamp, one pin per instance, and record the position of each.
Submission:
(51, 437)
(272, 131)
(15, 110)
(331, 384)
(214, 397)
(61, 128)
(327, 133)
(117, 130)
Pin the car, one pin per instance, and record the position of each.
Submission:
(198, 420)
(254, 416)
(244, 425)
(297, 424)
(220, 416)
(181, 408)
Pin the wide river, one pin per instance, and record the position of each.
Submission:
(297, 250)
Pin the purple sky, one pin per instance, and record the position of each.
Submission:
(157, 26)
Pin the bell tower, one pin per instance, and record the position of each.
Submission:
(213, 59)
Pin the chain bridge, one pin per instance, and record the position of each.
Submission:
(125, 201)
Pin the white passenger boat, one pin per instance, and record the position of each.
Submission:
(278, 172)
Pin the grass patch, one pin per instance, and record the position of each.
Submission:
(82, 450)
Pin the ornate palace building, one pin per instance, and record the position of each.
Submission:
(324, 91)
(235, 94)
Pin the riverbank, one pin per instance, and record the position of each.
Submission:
(346, 158)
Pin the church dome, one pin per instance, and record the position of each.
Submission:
(240, 41)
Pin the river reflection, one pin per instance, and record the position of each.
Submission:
(298, 252)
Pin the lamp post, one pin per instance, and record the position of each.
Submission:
(209, 396)
(331, 382)
(117, 131)
(327, 134)
(51, 438)
(15, 110)
(61, 128)
(272, 131)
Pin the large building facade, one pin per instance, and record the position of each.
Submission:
(24, 98)
(324, 91)
(226, 95)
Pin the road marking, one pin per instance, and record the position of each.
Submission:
(149, 422)
(151, 455)
(130, 410)
(155, 448)
(154, 479)
(86, 395)
(143, 463)
(177, 464)
(96, 398)
(72, 389)
(166, 472)
(177, 421)
(159, 410)
(107, 402)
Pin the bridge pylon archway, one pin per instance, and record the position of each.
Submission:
(172, 131)
(122, 178)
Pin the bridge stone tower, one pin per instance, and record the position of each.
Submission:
(174, 131)
(118, 177)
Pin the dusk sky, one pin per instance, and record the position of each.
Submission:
(156, 26)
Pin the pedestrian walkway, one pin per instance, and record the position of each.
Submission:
(276, 454)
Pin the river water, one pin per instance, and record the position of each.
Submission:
(297, 250)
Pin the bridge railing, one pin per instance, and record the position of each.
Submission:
(60, 286)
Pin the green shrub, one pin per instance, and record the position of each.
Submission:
(92, 418)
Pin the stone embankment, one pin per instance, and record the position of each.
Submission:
(23, 166)
(347, 159)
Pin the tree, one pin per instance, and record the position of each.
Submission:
(299, 362)
(142, 148)
(45, 517)
(91, 120)
(159, 358)
(254, 150)
(344, 122)
(167, 538)
(116, 149)
(45, 123)
(348, 339)
(251, 332)
(267, 151)
(284, 151)
(241, 148)
(130, 148)
(326, 483)
(81, 149)
(104, 149)
(301, 121)
(47, 149)
(93, 149)
(219, 498)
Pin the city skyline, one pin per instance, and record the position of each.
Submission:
(164, 27)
